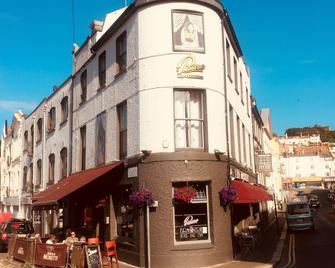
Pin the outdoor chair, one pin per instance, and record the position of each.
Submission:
(111, 253)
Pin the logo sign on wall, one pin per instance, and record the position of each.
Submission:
(188, 68)
(264, 163)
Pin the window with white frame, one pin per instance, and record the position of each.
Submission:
(189, 106)
(191, 220)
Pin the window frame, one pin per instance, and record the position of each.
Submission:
(123, 152)
(121, 55)
(63, 163)
(39, 135)
(64, 109)
(102, 66)
(52, 161)
(200, 201)
(203, 120)
(97, 134)
(83, 86)
(52, 119)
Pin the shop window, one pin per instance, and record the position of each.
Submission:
(191, 220)
(122, 119)
(126, 215)
(39, 130)
(102, 69)
(65, 109)
(121, 52)
(63, 156)
(100, 139)
(189, 106)
(83, 84)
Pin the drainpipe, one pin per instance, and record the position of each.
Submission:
(148, 236)
(227, 133)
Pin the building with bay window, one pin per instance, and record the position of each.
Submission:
(159, 98)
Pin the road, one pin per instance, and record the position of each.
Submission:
(307, 249)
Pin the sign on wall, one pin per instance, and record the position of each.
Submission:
(188, 31)
(188, 68)
(264, 163)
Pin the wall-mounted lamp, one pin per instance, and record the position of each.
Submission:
(218, 154)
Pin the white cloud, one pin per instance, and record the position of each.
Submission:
(12, 106)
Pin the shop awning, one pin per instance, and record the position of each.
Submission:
(69, 185)
(307, 179)
(248, 193)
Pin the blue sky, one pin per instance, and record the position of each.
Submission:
(287, 44)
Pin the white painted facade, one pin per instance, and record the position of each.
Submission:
(11, 165)
(148, 87)
(301, 140)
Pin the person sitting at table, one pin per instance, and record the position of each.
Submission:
(70, 240)
(51, 240)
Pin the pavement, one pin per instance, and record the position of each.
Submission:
(266, 254)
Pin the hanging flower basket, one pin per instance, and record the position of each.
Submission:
(141, 198)
(185, 194)
(227, 195)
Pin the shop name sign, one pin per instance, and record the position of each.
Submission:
(189, 220)
(188, 68)
(264, 163)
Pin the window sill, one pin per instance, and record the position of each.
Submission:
(82, 103)
(101, 88)
(230, 79)
(50, 131)
(63, 123)
(192, 246)
(120, 73)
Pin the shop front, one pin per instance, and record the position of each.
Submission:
(81, 202)
(249, 211)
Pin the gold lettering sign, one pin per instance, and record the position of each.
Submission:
(187, 67)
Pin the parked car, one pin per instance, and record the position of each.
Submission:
(299, 216)
(18, 227)
(314, 202)
(300, 193)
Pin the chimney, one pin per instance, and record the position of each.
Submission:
(96, 26)
(6, 128)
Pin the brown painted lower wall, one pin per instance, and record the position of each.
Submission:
(158, 176)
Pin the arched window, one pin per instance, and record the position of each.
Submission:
(31, 177)
(63, 164)
(38, 174)
(51, 169)
(52, 119)
(64, 105)
(25, 145)
(24, 179)
(39, 130)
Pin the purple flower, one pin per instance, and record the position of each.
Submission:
(141, 198)
(227, 195)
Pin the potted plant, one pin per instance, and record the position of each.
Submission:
(227, 195)
(141, 198)
(185, 194)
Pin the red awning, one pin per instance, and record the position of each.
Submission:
(248, 193)
(66, 186)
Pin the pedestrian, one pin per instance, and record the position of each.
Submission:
(51, 240)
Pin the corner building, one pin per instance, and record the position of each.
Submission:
(154, 89)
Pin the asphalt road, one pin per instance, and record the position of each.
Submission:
(308, 249)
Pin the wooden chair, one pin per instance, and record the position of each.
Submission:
(93, 241)
(111, 252)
